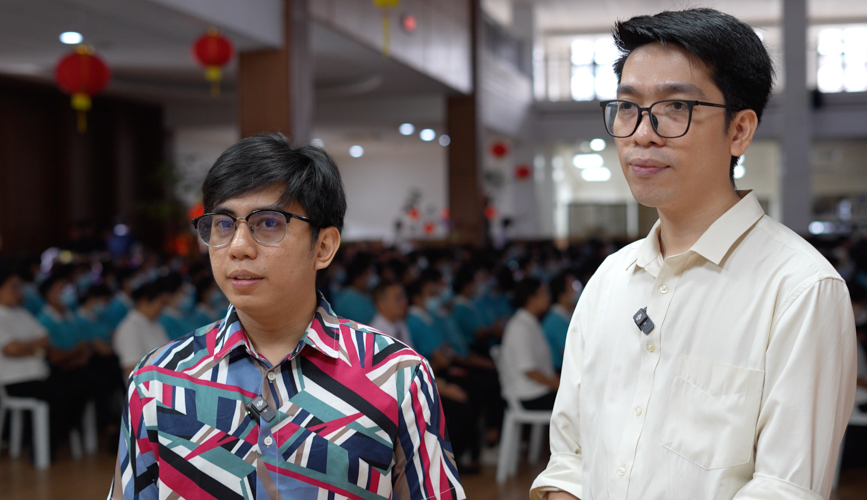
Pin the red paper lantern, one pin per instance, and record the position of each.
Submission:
(499, 149)
(522, 172)
(413, 213)
(446, 214)
(82, 75)
(213, 51)
(490, 212)
(196, 210)
(429, 228)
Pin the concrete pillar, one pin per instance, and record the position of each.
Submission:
(795, 127)
(275, 87)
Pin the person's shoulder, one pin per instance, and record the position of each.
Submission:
(792, 253)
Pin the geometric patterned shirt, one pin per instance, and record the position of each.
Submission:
(357, 416)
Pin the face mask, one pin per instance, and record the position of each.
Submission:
(69, 298)
(340, 275)
(83, 282)
(447, 295)
(484, 289)
(372, 281)
(99, 309)
(433, 304)
(188, 303)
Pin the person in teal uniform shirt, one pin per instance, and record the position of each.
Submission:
(564, 290)
(354, 302)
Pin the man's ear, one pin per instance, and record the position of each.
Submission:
(741, 131)
(326, 247)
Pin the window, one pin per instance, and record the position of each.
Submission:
(841, 58)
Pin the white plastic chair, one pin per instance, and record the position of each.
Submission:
(40, 424)
(510, 437)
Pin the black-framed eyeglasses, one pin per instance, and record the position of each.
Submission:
(267, 226)
(670, 118)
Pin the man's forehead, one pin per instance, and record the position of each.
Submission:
(660, 69)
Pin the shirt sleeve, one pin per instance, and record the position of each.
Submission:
(425, 467)
(565, 470)
(809, 393)
(137, 468)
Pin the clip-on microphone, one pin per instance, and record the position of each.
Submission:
(259, 407)
(642, 321)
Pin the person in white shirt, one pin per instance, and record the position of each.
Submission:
(24, 372)
(390, 301)
(527, 371)
(714, 359)
(140, 332)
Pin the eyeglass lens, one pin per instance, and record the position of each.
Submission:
(266, 227)
(669, 118)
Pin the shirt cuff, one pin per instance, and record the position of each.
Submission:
(565, 472)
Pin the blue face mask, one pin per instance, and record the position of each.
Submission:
(340, 276)
(372, 281)
(188, 303)
(83, 282)
(433, 304)
(99, 309)
(447, 295)
(69, 298)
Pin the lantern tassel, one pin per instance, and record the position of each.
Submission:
(386, 34)
(82, 122)
(213, 74)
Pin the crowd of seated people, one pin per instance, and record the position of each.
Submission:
(72, 328)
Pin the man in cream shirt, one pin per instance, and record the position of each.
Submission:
(739, 378)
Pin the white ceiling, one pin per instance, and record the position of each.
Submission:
(575, 16)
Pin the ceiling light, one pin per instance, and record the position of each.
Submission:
(588, 161)
(739, 171)
(445, 140)
(356, 151)
(407, 129)
(71, 37)
(319, 143)
(600, 174)
(427, 134)
(597, 144)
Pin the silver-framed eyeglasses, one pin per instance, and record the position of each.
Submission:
(267, 226)
(670, 118)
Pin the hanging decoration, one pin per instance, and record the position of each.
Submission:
(413, 213)
(82, 74)
(522, 172)
(386, 6)
(490, 212)
(445, 214)
(213, 51)
(429, 228)
(499, 150)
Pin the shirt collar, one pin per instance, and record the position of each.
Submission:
(717, 240)
(322, 334)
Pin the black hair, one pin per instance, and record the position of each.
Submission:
(466, 274)
(170, 283)
(736, 58)
(49, 282)
(307, 173)
(525, 289)
(96, 292)
(204, 284)
(357, 267)
(148, 291)
(6, 273)
(383, 287)
(560, 283)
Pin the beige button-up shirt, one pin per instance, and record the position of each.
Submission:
(743, 388)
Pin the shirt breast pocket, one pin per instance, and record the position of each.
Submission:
(712, 413)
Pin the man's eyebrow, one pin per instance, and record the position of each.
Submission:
(220, 209)
(666, 88)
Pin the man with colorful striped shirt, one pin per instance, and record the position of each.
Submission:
(281, 398)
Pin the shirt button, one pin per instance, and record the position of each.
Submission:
(621, 470)
(663, 289)
(637, 410)
(651, 347)
(271, 376)
(269, 441)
